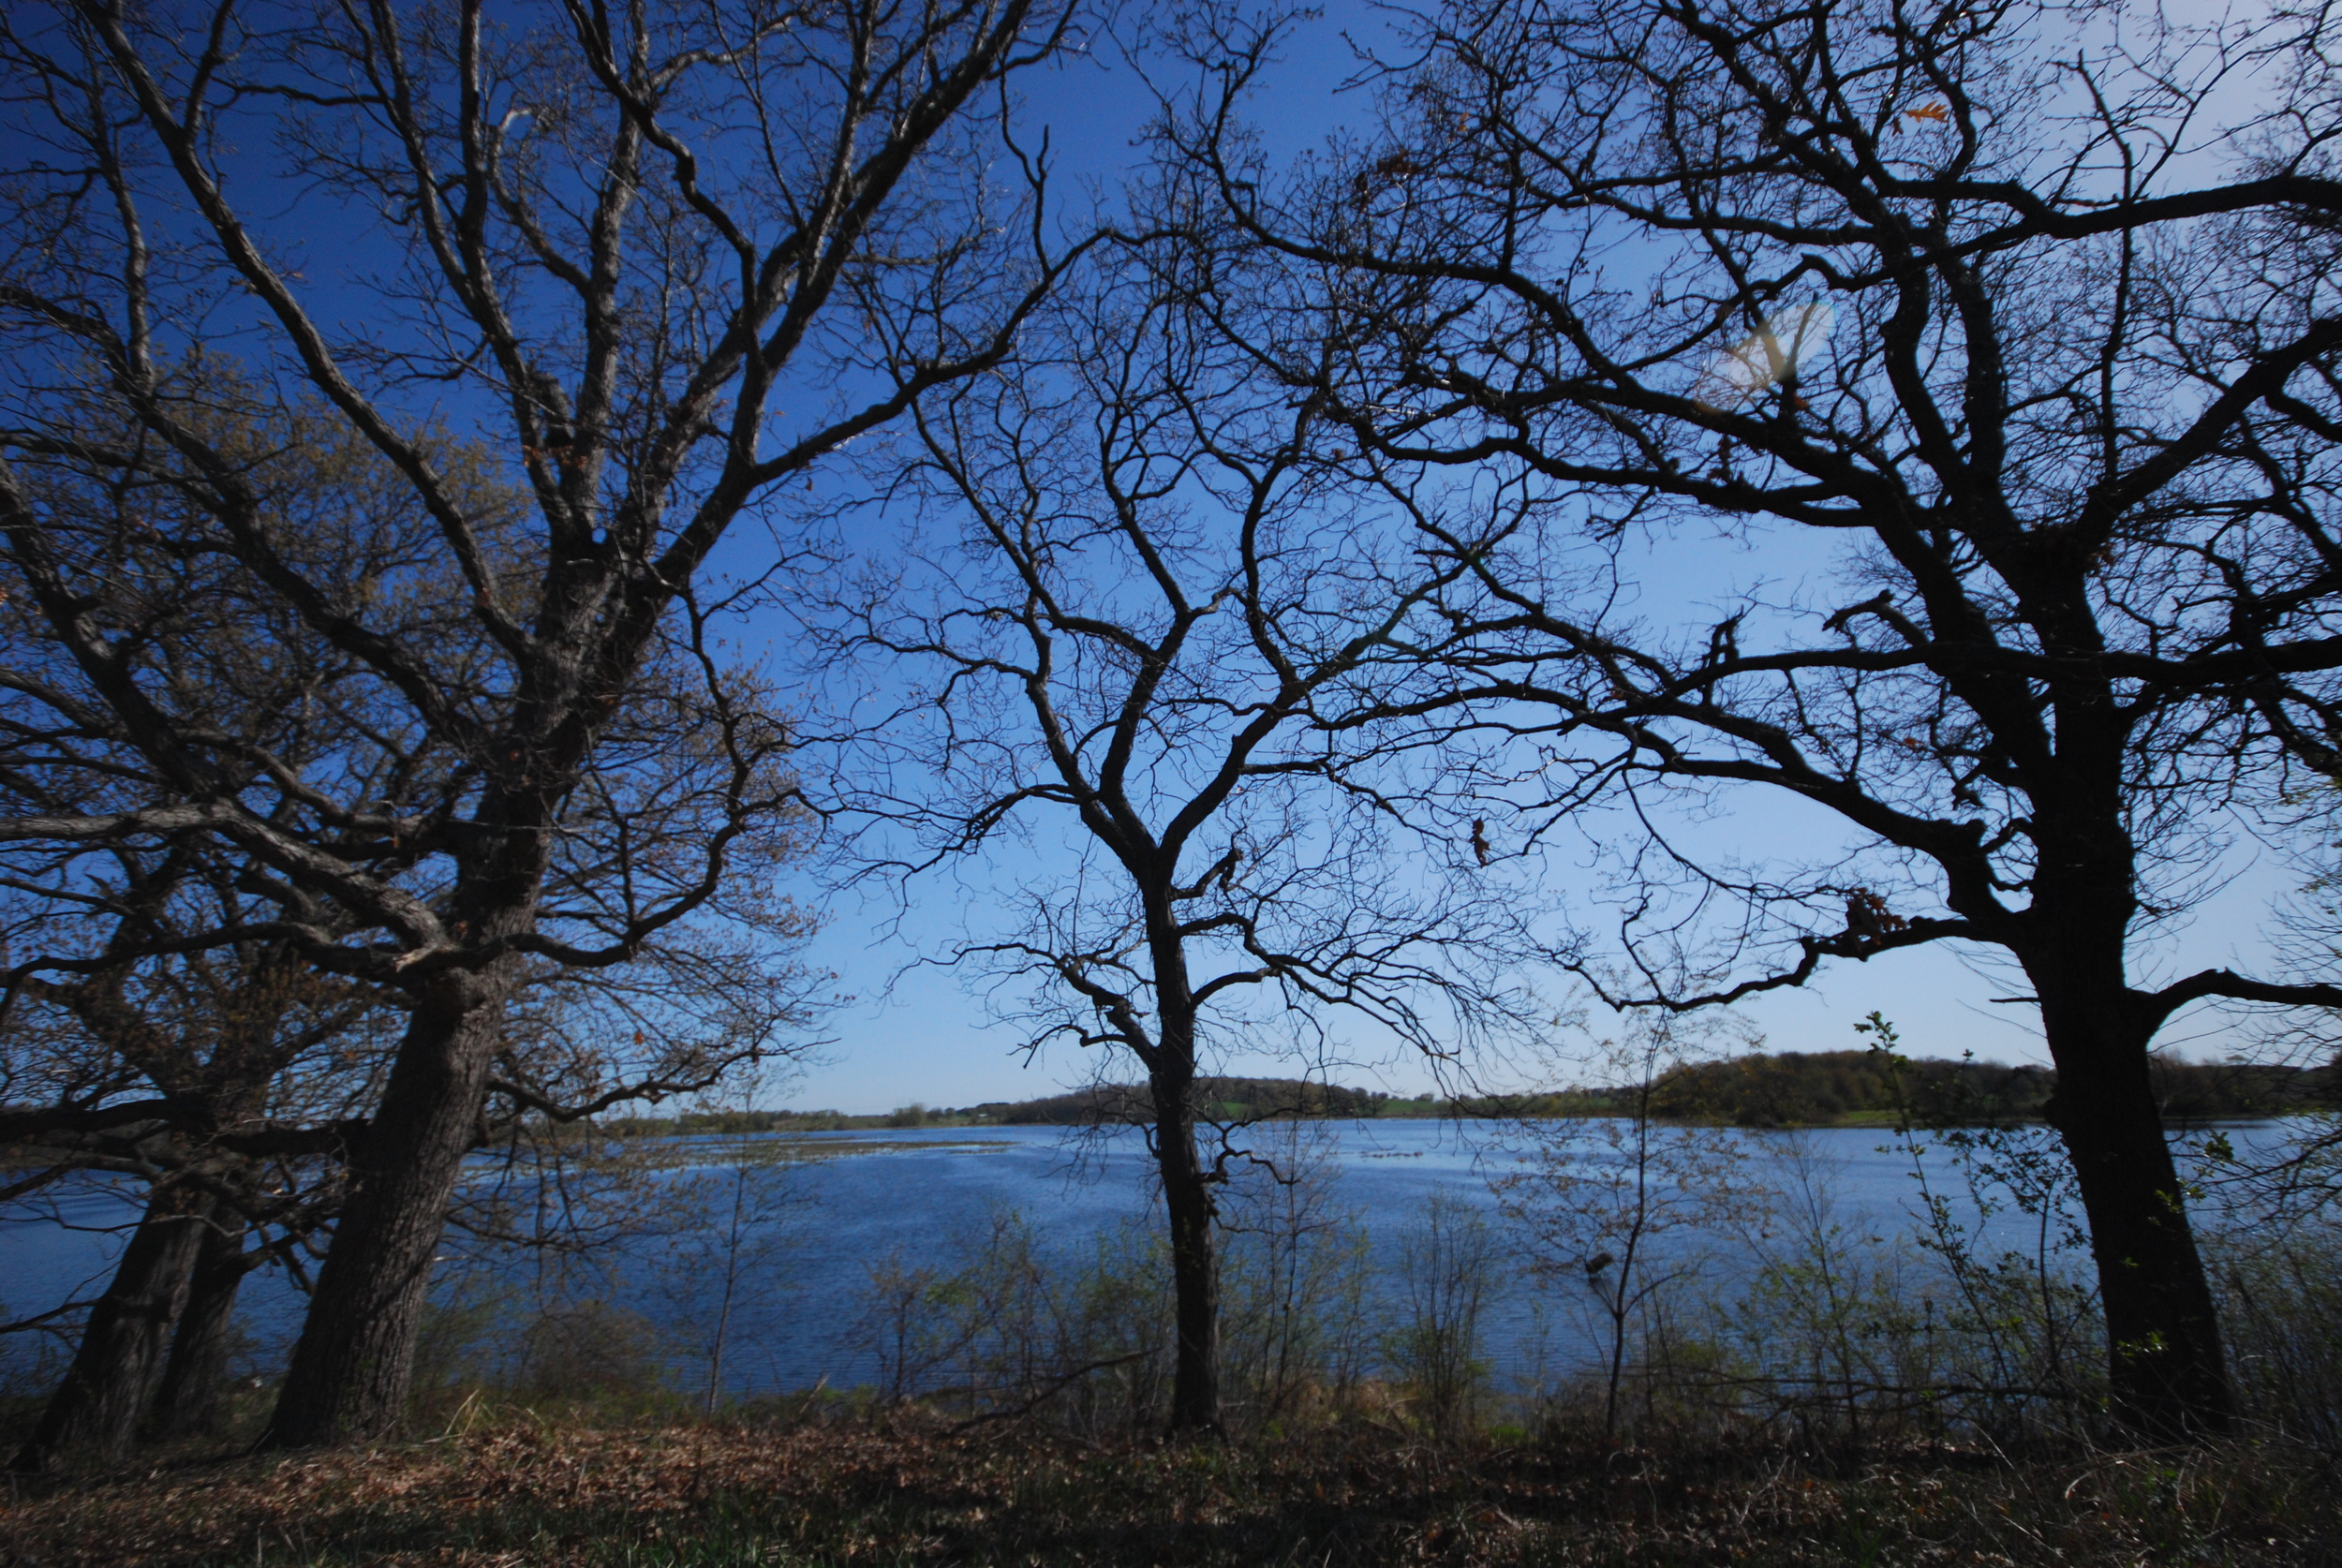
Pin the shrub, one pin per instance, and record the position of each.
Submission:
(1447, 1267)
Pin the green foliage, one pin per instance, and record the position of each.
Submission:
(2280, 1299)
(734, 1123)
(1818, 1088)
(1617, 1209)
(486, 1342)
(1796, 1088)
(1004, 1326)
(591, 1351)
(2272, 1236)
(1223, 1099)
(456, 1348)
(1731, 1295)
(1852, 1335)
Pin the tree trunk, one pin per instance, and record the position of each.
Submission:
(2167, 1374)
(1194, 1259)
(186, 1402)
(94, 1415)
(352, 1366)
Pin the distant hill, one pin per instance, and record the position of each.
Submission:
(1222, 1099)
(1794, 1089)
(1226, 1098)
(1804, 1088)
(1788, 1089)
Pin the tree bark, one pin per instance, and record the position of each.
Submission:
(1195, 1258)
(351, 1367)
(94, 1415)
(186, 1401)
(2168, 1374)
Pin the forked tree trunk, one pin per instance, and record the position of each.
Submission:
(2168, 1376)
(94, 1415)
(186, 1401)
(1194, 1259)
(350, 1368)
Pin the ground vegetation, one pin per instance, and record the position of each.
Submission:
(790, 1490)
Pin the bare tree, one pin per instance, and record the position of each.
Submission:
(609, 242)
(151, 1034)
(243, 1073)
(202, 1054)
(1446, 1272)
(2016, 324)
(249, 1076)
(1147, 593)
(1615, 1203)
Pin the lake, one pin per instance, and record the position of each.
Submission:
(924, 1195)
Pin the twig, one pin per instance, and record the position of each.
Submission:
(1055, 1384)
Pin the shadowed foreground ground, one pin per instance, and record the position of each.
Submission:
(526, 1491)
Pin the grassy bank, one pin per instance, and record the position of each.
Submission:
(857, 1488)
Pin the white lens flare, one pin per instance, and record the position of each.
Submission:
(1789, 340)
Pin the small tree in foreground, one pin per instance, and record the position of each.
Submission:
(1446, 1265)
(1619, 1204)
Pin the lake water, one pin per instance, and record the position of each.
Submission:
(929, 1195)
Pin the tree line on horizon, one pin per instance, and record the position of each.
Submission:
(1756, 1089)
(493, 499)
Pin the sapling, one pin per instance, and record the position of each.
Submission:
(1447, 1267)
(1610, 1201)
(2029, 1308)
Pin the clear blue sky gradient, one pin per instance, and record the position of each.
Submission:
(919, 1034)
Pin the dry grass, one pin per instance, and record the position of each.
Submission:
(519, 1489)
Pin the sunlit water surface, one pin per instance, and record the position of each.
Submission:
(924, 1197)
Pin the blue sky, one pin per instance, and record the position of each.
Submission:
(918, 1033)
